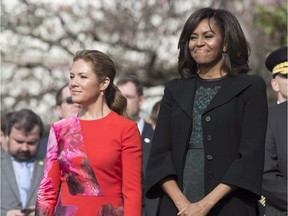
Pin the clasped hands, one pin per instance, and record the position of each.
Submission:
(192, 209)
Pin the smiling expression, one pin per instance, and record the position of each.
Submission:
(206, 43)
(84, 85)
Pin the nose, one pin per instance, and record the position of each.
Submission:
(200, 41)
(73, 83)
(24, 147)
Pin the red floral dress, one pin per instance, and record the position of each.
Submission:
(92, 168)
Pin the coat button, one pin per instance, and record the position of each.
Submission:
(209, 157)
(208, 118)
(210, 174)
(209, 137)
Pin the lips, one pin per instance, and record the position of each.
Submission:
(75, 92)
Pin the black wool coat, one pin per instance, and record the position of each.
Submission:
(234, 126)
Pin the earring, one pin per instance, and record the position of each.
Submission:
(102, 93)
(226, 60)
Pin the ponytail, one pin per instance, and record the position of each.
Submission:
(115, 100)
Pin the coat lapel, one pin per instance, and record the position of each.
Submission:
(37, 175)
(8, 170)
(183, 93)
(230, 88)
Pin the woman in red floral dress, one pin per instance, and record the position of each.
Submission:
(93, 162)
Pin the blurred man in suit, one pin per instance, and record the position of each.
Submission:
(275, 170)
(132, 89)
(20, 171)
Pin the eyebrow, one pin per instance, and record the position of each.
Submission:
(206, 32)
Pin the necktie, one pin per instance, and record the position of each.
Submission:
(24, 183)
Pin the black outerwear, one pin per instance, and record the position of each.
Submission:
(234, 126)
(149, 206)
(275, 169)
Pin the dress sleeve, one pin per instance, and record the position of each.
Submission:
(132, 171)
(49, 187)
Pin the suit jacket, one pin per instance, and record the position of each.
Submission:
(149, 205)
(275, 170)
(10, 198)
(234, 127)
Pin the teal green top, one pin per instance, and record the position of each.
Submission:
(193, 184)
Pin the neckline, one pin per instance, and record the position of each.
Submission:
(91, 120)
(212, 79)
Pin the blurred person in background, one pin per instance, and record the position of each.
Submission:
(132, 89)
(275, 169)
(21, 172)
(154, 113)
(4, 138)
(65, 107)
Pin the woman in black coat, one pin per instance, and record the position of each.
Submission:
(207, 154)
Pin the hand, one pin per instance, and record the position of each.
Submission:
(181, 206)
(194, 209)
(32, 210)
(15, 212)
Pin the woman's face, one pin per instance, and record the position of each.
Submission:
(206, 43)
(84, 85)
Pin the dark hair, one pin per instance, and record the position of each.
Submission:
(24, 120)
(59, 95)
(155, 111)
(134, 80)
(238, 49)
(104, 67)
(4, 120)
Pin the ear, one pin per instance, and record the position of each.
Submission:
(275, 85)
(104, 84)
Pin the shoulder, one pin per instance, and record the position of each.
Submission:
(278, 108)
(251, 78)
(121, 120)
(175, 82)
(66, 122)
(254, 84)
(5, 155)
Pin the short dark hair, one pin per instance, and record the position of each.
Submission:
(134, 80)
(24, 120)
(4, 120)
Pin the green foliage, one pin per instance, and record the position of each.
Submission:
(273, 22)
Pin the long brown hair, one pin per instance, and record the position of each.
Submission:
(104, 67)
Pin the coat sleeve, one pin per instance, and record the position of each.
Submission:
(247, 171)
(49, 187)
(274, 182)
(160, 162)
(132, 171)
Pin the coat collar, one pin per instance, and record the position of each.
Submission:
(184, 92)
